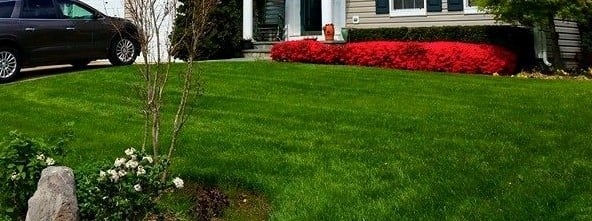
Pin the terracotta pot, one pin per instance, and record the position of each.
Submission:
(329, 30)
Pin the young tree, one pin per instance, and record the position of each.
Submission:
(152, 17)
(541, 13)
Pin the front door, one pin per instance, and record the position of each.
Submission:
(311, 15)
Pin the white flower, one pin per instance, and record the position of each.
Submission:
(148, 158)
(114, 175)
(14, 176)
(41, 157)
(102, 174)
(49, 161)
(141, 170)
(131, 164)
(178, 182)
(137, 187)
(134, 157)
(130, 151)
(122, 173)
(119, 162)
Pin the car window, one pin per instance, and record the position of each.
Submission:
(6, 8)
(72, 10)
(40, 9)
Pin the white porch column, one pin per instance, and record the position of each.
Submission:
(248, 19)
(327, 13)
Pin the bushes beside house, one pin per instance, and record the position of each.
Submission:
(586, 31)
(307, 51)
(222, 40)
(516, 39)
(428, 56)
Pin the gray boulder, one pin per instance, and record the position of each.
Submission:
(55, 198)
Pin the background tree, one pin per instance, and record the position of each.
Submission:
(541, 13)
(221, 40)
(586, 34)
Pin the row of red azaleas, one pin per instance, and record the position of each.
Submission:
(428, 56)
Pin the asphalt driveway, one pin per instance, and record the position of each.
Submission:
(48, 71)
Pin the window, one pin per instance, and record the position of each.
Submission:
(471, 7)
(407, 7)
(408, 4)
(71, 10)
(38, 9)
(6, 8)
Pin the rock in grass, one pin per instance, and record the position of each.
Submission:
(55, 198)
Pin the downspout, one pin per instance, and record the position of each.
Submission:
(540, 45)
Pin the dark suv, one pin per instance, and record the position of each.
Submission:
(48, 32)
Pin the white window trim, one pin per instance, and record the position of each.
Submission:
(471, 9)
(408, 12)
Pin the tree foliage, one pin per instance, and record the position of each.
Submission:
(539, 13)
(586, 34)
(535, 12)
(222, 38)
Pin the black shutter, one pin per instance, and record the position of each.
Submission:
(455, 5)
(382, 7)
(434, 5)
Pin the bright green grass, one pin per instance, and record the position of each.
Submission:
(347, 143)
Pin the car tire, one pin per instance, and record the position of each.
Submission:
(10, 64)
(80, 64)
(123, 51)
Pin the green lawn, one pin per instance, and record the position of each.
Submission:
(347, 143)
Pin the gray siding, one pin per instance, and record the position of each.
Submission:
(569, 38)
(569, 42)
(366, 10)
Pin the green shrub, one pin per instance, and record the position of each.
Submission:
(586, 34)
(127, 189)
(518, 40)
(223, 40)
(22, 159)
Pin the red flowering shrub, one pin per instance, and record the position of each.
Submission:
(429, 56)
(306, 51)
(432, 56)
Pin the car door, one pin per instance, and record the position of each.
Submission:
(45, 38)
(84, 22)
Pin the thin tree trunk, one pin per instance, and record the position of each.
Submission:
(181, 115)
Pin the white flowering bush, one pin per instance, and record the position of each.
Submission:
(126, 189)
(22, 159)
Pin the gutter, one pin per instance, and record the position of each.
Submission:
(540, 45)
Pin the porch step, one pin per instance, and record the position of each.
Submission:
(264, 45)
(257, 54)
(261, 50)
(269, 33)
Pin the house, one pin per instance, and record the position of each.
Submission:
(305, 19)
(117, 8)
(111, 8)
